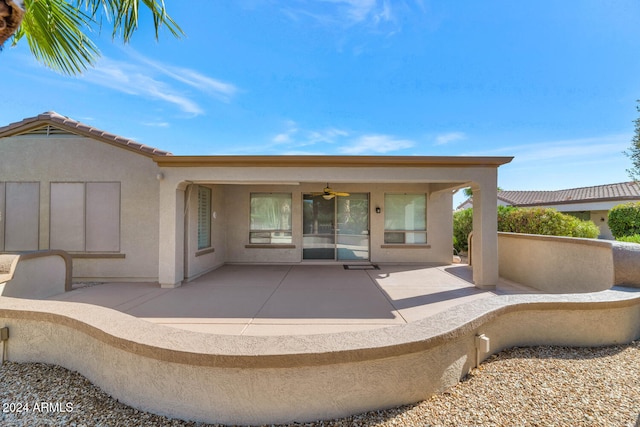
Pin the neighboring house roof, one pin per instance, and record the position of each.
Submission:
(52, 123)
(619, 191)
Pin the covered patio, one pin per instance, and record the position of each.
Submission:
(217, 210)
(256, 300)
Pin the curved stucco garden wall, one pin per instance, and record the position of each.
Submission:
(37, 274)
(566, 264)
(258, 380)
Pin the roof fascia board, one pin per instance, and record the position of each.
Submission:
(330, 161)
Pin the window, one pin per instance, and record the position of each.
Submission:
(85, 217)
(270, 218)
(204, 217)
(405, 219)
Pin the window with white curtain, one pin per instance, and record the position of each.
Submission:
(270, 218)
(405, 219)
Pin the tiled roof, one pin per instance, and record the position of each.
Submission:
(51, 118)
(619, 191)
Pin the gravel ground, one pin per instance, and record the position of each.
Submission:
(539, 386)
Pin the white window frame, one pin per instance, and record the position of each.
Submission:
(278, 229)
(407, 234)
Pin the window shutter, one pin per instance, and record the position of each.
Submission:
(204, 217)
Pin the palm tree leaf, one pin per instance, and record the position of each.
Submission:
(124, 15)
(54, 30)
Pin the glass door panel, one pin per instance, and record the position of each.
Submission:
(352, 233)
(318, 222)
(335, 229)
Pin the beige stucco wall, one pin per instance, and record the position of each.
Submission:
(263, 380)
(556, 264)
(37, 275)
(439, 223)
(597, 217)
(79, 159)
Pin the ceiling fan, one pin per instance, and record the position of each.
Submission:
(329, 194)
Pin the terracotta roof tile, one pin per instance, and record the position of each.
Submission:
(619, 191)
(72, 126)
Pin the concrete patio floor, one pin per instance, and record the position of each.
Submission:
(295, 299)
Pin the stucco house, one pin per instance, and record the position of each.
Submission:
(588, 203)
(129, 212)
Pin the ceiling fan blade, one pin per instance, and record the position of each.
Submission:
(337, 193)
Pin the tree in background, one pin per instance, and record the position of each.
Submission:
(634, 151)
(468, 192)
(56, 30)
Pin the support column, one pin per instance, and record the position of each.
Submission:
(171, 254)
(485, 234)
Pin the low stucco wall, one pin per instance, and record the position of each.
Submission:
(278, 379)
(39, 274)
(626, 261)
(565, 264)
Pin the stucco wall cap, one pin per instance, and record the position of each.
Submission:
(179, 346)
(565, 239)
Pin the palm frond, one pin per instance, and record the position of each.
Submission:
(55, 32)
(124, 15)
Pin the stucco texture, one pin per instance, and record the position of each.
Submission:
(57, 159)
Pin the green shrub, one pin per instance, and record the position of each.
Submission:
(545, 221)
(624, 220)
(632, 239)
(462, 226)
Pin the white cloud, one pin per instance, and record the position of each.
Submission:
(295, 137)
(281, 138)
(166, 84)
(376, 144)
(357, 10)
(191, 78)
(287, 135)
(447, 138)
(349, 12)
(158, 124)
(327, 136)
(566, 149)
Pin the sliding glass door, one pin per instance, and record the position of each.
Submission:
(337, 228)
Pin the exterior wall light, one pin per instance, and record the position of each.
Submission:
(378, 210)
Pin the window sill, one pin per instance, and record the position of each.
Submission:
(204, 251)
(97, 255)
(406, 246)
(266, 246)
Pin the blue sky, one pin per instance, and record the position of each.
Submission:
(553, 83)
